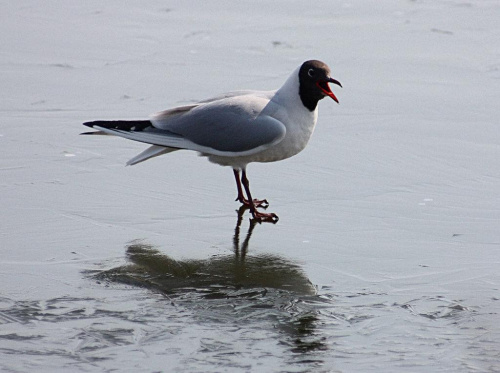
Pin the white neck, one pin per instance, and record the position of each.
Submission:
(288, 94)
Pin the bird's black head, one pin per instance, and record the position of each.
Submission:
(314, 77)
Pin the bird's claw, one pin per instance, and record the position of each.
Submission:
(261, 203)
(256, 202)
(263, 217)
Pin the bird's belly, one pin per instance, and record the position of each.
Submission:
(285, 149)
(288, 147)
(298, 132)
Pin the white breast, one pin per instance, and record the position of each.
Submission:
(286, 106)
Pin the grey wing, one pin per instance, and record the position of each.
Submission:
(235, 125)
(263, 94)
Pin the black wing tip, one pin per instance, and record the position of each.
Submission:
(103, 123)
(91, 125)
(125, 125)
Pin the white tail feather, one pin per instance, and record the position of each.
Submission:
(151, 152)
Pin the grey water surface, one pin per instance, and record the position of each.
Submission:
(386, 257)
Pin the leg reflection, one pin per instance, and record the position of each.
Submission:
(240, 287)
(241, 251)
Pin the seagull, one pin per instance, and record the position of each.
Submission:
(236, 128)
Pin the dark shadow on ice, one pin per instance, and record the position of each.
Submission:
(219, 276)
(262, 291)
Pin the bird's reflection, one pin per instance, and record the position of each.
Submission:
(231, 287)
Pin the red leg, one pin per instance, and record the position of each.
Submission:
(257, 215)
(241, 198)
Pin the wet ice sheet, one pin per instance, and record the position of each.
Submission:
(247, 308)
(246, 311)
(391, 214)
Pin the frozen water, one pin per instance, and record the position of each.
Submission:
(387, 253)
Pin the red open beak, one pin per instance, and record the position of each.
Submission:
(325, 88)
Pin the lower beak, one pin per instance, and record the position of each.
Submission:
(325, 88)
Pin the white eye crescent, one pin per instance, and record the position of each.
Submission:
(310, 72)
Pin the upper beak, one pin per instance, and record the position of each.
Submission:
(331, 80)
(325, 88)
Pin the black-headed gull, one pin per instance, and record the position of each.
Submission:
(237, 128)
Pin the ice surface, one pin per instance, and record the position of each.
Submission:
(387, 253)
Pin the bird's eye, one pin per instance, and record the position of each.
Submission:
(311, 72)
